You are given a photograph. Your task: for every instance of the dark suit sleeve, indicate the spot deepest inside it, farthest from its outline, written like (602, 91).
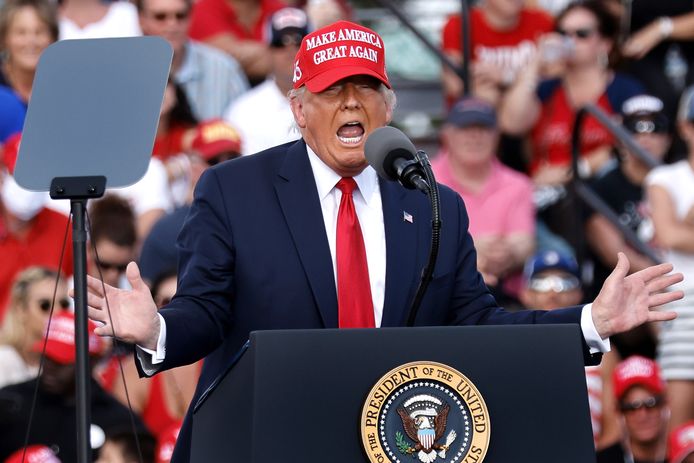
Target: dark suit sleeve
(473, 304)
(200, 315)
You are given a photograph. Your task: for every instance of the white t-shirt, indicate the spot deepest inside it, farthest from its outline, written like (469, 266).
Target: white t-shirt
(13, 369)
(678, 180)
(120, 21)
(263, 118)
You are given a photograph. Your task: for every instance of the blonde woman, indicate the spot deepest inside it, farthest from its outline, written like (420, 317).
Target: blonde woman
(25, 322)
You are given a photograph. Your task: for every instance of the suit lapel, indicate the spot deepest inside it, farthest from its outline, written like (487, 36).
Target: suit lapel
(298, 198)
(402, 238)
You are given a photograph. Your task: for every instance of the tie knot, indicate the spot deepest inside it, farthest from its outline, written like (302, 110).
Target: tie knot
(346, 185)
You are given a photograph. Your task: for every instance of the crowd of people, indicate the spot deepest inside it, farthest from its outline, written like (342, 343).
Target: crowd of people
(505, 148)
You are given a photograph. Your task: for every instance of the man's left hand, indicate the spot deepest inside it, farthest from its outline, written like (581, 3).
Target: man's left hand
(627, 301)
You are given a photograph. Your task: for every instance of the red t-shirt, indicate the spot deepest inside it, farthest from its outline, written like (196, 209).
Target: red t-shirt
(215, 17)
(509, 49)
(551, 135)
(42, 246)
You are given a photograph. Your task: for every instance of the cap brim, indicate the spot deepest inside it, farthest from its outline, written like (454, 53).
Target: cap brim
(683, 453)
(56, 353)
(320, 82)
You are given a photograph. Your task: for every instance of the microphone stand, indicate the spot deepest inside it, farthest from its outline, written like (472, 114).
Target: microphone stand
(433, 193)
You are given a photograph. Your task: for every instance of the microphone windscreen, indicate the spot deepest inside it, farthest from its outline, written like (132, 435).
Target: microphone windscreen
(383, 146)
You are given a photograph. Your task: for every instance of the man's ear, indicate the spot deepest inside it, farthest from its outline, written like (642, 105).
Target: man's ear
(298, 111)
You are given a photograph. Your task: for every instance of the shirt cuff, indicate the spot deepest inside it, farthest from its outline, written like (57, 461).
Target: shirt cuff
(590, 334)
(148, 358)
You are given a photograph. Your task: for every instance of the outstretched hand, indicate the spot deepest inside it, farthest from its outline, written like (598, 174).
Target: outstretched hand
(627, 301)
(133, 313)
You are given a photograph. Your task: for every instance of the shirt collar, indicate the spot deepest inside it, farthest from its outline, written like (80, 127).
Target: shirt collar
(326, 178)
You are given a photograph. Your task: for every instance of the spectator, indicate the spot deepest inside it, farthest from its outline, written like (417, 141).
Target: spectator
(53, 422)
(33, 454)
(162, 400)
(113, 235)
(237, 28)
(96, 19)
(13, 111)
(25, 322)
(587, 79)
(503, 38)
(30, 234)
(27, 27)
(504, 239)
(263, 115)
(551, 281)
(641, 405)
(210, 78)
(670, 192)
(621, 187)
(120, 447)
(681, 444)
(214, 142)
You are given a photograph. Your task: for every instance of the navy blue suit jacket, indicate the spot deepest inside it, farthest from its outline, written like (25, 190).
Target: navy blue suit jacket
(254, 256)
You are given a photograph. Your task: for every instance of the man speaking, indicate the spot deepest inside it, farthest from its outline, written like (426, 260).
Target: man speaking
(305, 235)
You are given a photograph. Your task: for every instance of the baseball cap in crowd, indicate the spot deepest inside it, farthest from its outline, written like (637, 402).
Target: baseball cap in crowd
(166, 441)
(287, 26)
(10, 149)
(34, 454)
(339, 50)
(681, 442)
(214, 138)
(686, 109)
(644, 114)
(550, 260)
(470, 111)
(637, 371)
(60, 346)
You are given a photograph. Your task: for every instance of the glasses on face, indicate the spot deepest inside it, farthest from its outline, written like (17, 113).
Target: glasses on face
(107, 266)
(161, 16)
(648, 404)
(45, 304)
(554, 283)
(581, 33)
(646, 126)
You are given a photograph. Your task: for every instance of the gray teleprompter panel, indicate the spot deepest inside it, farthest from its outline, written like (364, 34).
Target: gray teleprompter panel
(94, 110)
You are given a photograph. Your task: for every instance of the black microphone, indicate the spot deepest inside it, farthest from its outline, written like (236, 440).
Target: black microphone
(394, 157)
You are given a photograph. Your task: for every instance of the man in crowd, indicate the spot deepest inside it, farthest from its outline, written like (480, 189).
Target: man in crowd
(262, 114)
(641, 405)
(53, 422)
(275, 240)
(210, 78)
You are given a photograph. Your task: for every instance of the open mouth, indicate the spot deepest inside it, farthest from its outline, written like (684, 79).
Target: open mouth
(351, 133)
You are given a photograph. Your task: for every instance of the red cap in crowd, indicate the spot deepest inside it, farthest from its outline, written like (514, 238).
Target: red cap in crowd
(681, 442)
(637, 371)
(336, 51)
(34, 454)
(60, 346)
(166, 441)
(10, 150)
(215, 137)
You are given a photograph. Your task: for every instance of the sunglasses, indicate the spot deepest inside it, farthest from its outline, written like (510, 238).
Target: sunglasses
(553, 283)
(649, 404)
(582, 33)
(106, 266)
(646, 126)
(45, 304)
(161, 16)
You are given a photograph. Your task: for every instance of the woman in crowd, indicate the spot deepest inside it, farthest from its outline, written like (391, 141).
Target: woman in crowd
(27, 27)
(25, 322)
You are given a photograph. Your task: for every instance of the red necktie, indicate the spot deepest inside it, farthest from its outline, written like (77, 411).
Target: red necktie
(354, 303)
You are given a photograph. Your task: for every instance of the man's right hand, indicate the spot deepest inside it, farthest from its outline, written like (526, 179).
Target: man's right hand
(133, 313)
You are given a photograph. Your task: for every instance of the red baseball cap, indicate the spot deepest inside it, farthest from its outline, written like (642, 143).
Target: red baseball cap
(10, 149)
(60, 346)
(681, 442)
(166, 441)
(214, 137)
(637, 371)
(34, 454)
(336, 51)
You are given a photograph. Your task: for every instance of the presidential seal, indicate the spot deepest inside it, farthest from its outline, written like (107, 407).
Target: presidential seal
(427, 412)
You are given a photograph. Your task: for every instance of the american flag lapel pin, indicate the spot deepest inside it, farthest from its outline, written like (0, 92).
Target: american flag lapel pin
(407, 217)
